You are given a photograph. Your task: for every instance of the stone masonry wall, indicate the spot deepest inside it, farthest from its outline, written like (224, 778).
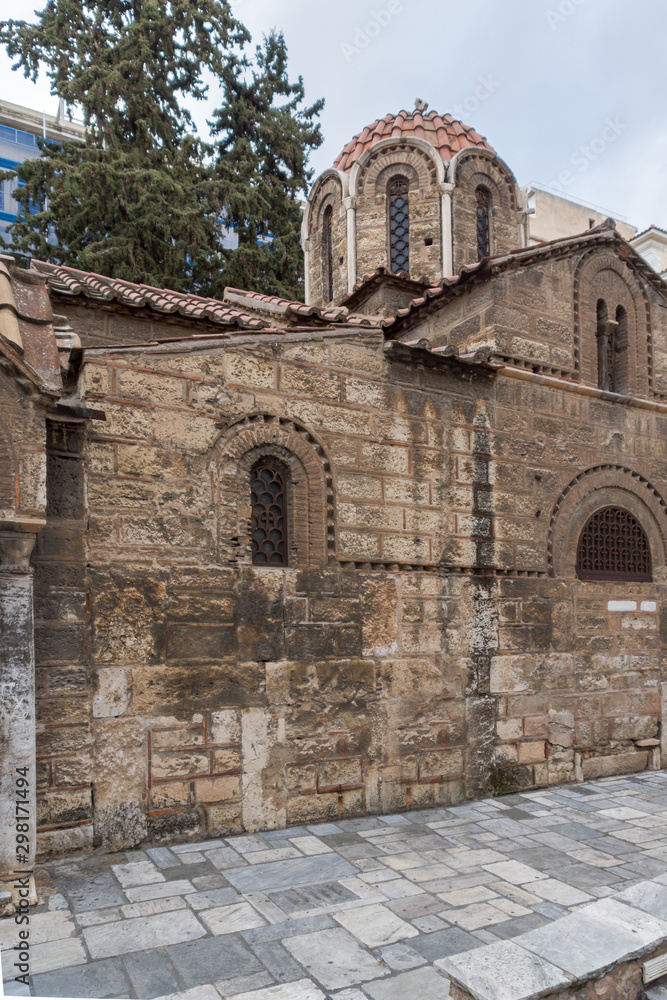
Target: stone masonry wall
(429, 640)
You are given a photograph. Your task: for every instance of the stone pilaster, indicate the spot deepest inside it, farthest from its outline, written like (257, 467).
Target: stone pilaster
(17, 713)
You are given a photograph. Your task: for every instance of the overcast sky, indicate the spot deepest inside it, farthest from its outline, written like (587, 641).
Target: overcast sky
(569, 92)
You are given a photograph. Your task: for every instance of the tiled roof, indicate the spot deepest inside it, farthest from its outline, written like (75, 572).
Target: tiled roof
(68, 281)
(238, 309)
(36, 356)
(443, 132)
(273, 304)
(490, 266)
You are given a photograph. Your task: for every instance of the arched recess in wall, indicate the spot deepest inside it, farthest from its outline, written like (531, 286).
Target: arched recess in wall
(602, 276)
(370, 180)
(323, 232)
(592, 491)
(469, 171)
(309, 489)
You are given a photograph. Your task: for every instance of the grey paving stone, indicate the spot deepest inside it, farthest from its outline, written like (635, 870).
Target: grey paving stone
(92, 892)
(648, 896)
(212, 897)
(278, 961)
(200, 845)
(520, 925)
(142, 933)
(226, 857)
(162, 857)
(242, 984)
(334, 958)
(97, 979)
(159, 890)
(278, 932)
(375, 925)
(213, 959)
(324, 829)
(294, 871)
(503, 971)
(400, 956)
(303, 989)
(14, 989)
(592, 939)
(426, 984)
(443, 943)
(292, 831)
(206, 882)
(150, 973)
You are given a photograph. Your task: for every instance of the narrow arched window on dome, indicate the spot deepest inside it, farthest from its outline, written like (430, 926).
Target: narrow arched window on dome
(398, 214)
(620, 350)
(268, 482)
(613, 546)
(327, 247)
(483, 198)
(605, 348)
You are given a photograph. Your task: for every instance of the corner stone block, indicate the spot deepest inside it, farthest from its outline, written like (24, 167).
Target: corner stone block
(338, 774)
(511, 674)
(113, 696)
(440, 764)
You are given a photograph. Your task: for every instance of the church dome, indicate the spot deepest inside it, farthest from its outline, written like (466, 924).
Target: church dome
(443, 132)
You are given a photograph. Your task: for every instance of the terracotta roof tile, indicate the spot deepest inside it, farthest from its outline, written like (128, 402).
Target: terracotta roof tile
(71, 282)
(442, 131)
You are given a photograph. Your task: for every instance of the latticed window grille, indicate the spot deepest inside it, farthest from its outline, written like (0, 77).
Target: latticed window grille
(269, 516)
(327, 242)
(483, 222)
(613, 546)
(399, 223)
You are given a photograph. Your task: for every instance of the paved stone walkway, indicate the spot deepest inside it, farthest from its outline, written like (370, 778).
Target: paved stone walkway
(349, 910)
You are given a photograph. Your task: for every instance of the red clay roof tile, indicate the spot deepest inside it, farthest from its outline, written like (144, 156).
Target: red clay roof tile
(442, 131)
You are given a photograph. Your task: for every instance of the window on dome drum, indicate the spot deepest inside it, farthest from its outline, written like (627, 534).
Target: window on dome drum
(620, 379)
(327, 242)
(398, 211)
(269, 514)
(605, 348)
(613, 546)
(483, 196)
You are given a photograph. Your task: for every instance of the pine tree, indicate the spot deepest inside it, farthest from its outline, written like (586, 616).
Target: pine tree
(136, 200)
(261, 171)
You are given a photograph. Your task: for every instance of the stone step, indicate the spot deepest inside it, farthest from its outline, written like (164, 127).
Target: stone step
(585, 945)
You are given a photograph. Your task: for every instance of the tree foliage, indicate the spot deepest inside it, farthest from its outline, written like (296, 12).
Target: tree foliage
(264, 134)
(143, 197)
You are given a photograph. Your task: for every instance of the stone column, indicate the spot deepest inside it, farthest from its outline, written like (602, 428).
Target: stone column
(17, 713)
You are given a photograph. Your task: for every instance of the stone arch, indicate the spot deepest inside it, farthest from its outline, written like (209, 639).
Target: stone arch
(592, 490)
(420, 164)
(470, 169)
(603, 275)
(328, 192)
(311, 532)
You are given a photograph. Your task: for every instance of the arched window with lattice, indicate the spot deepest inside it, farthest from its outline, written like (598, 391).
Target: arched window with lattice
(613, 546)
(483, 199)
(398, 214)
(269, 500)
(327, 254)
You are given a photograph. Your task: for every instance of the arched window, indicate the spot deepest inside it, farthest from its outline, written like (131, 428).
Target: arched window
(398, 213)
(268, 481)
(327, 247)
(620, 350)
(605, 348)
(613, 546)
(483, 196)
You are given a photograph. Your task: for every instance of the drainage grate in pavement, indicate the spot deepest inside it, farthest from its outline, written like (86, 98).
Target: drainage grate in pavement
(309, 897)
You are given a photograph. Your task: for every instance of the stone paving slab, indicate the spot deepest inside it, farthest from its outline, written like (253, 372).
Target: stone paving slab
(372, 907)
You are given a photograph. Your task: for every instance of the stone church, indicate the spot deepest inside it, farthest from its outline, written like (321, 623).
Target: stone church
(394, 547)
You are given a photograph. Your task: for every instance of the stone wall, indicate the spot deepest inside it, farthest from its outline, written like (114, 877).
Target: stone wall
(429, 639)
